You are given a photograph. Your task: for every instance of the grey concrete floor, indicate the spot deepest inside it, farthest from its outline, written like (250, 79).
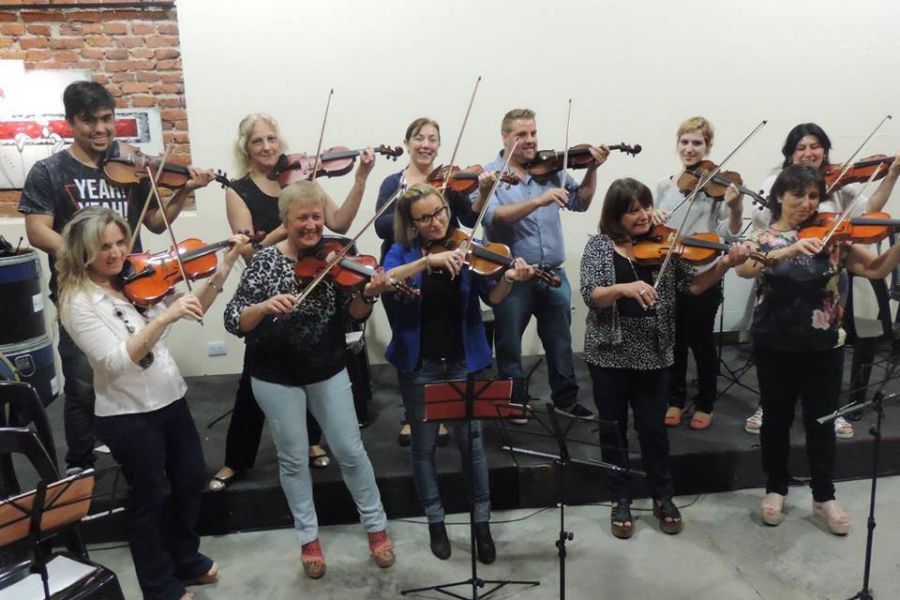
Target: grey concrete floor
(725, 552)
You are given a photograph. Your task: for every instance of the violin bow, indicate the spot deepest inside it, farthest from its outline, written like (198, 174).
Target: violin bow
(846, 212)
(459, 137)
(465, 245)
(565, 165)
(150, 193)
(701, 183)
(321, 135)
(848, 164)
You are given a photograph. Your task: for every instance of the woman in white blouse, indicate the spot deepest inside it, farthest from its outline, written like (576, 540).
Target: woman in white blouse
(141, 413)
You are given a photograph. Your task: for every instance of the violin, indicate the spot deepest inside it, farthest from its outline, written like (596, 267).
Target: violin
(488, 259)
(859, 172)
(696, 249)
(464, 181)
(870, 228)
(716, 186)
(334, 162)
(125, 164)
(547, 162)
(350, 273)
(148, 278)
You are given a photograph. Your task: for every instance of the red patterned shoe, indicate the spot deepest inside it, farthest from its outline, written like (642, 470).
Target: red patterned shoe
(312, 559)
(382, 548)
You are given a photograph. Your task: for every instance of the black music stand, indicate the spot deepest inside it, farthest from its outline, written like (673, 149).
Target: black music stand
(468, 400)
(46, 509)
(877, 403)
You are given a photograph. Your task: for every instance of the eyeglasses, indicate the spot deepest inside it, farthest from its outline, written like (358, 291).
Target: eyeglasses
(427, 219)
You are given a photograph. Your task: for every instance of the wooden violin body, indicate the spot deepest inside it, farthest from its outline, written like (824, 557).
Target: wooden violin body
(488, 259)
(696, 249)
(125, 164)
(464, 181)
(716, 186)
(148, 278)
(350, 273)
(859, 172)
(334, 162)
(548, 162)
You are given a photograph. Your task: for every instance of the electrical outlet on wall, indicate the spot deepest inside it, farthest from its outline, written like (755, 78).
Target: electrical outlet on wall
(216, 349)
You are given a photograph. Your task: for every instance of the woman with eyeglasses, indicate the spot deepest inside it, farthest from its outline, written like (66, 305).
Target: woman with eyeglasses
(141, 411)
(422, 141)
(439, 338)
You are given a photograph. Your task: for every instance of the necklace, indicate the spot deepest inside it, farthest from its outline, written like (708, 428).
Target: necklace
(148, 358)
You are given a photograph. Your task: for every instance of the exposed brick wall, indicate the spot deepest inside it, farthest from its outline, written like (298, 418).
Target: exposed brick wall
(134, 52)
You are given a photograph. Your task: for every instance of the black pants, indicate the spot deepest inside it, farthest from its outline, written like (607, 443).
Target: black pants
(814, 377)
(78, 410)
(150, 447)
(696, 319)
(645, 391)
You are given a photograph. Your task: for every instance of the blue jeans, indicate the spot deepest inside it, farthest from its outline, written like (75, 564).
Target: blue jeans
(331, 403)
(164, 544)
(424, 442)
(78, 409)
(552, 308)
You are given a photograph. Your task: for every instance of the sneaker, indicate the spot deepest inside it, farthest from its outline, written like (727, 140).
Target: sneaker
(754, 422)
(526, 400)
(575, 411)
(71, 471)
(843, 430)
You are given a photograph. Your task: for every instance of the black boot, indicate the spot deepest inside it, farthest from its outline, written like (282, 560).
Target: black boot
(440, 544)
(484, 543)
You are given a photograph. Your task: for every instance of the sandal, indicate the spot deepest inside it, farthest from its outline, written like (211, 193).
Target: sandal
(219, 482)
(773, 508)
(701, 420)
(621, 522)
(668, 515)
(673, 416)
(381, 548)
(312, 559)
(318, 458)
(833, 516)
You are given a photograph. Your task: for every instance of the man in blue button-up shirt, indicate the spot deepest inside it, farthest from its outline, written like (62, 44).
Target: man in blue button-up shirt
(526, 217)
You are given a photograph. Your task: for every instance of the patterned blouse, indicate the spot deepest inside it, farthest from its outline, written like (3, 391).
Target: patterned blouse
(305, 346)
(799, 301)
(640, 343)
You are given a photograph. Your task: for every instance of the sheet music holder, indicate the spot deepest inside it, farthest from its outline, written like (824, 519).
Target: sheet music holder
(465, 400)
(44, 510)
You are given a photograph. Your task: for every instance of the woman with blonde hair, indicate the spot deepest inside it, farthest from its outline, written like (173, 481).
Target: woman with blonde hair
(252, 205)
(297, 364)
(141, 411)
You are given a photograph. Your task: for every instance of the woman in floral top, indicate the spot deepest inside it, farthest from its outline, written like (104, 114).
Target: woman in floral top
(798, 338)
(628, 344)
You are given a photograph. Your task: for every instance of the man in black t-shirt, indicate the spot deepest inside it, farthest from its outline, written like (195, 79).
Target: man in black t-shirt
(55, 189)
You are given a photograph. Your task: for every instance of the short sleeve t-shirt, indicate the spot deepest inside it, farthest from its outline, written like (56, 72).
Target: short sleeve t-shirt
(60, 185)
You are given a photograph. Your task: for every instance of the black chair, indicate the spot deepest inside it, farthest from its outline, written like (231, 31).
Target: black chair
(20, 406)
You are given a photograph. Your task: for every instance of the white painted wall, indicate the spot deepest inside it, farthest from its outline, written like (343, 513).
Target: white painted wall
(634, 69)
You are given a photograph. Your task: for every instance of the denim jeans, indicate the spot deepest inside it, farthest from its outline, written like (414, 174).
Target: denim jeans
(424, 442)
(552, 308)
(164, 544)
(78, 409)
(331, 403)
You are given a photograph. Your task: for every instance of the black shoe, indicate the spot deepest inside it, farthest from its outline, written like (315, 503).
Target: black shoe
(575, 411)
(484, 543)
(440, 544)
(854, 416)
